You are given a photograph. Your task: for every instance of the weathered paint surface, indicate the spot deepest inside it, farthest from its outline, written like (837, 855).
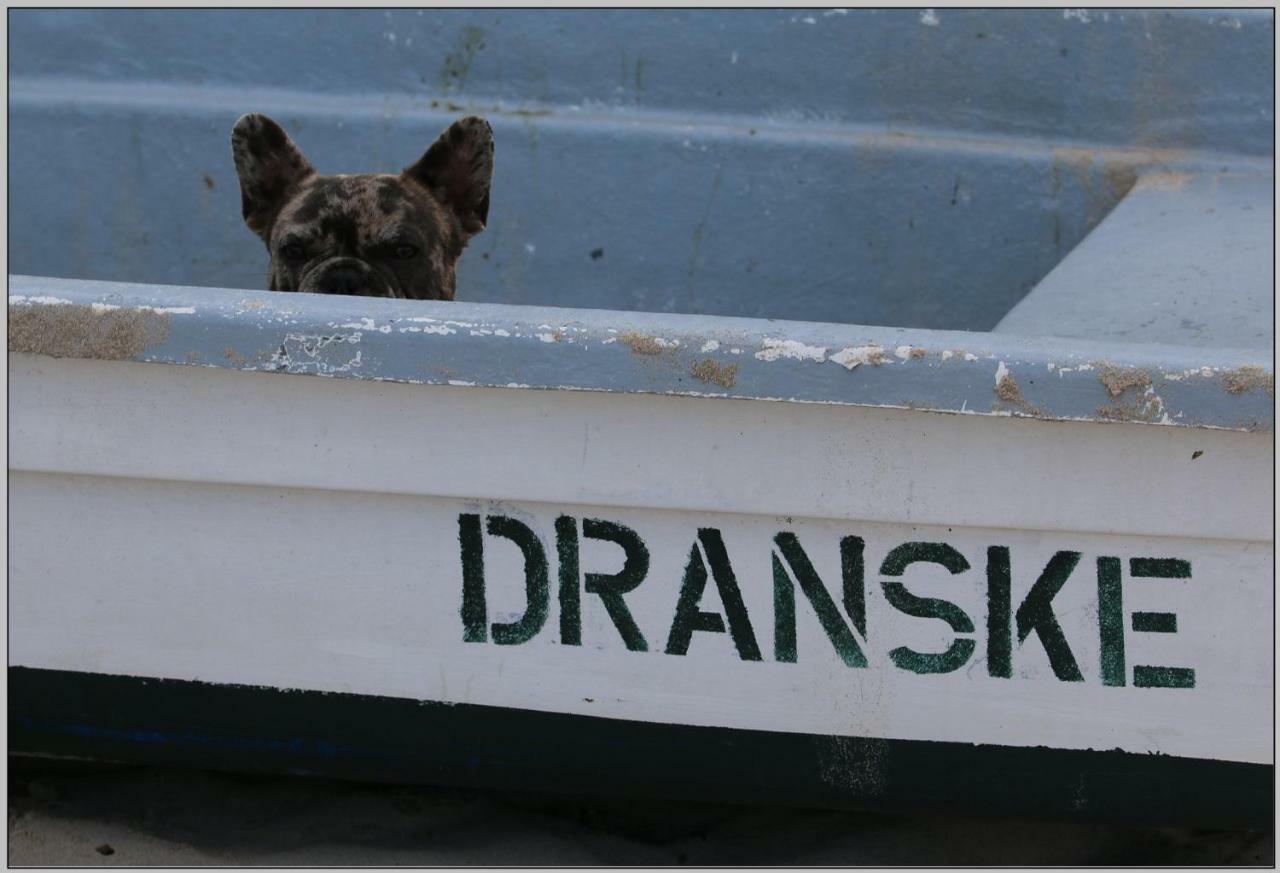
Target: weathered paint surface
(1185, 259)
(526, 347)
(1007, 637)
(766, 163)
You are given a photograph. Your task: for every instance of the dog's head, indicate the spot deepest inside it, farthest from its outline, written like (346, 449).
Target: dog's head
(380, 235)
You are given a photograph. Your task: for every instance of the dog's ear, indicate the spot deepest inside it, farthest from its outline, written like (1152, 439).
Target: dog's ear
(457, 170)
(269, 166)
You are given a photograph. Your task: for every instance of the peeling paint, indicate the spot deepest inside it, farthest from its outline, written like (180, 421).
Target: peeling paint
(778, 348)
(320, 355)
(854, 355)
(710, 346)
(366, 324)
(19, 300)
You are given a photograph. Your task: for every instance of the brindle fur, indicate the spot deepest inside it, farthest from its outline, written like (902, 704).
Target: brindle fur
(378, 235)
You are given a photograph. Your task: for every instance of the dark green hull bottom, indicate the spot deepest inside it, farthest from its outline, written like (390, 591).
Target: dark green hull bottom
(236, 727)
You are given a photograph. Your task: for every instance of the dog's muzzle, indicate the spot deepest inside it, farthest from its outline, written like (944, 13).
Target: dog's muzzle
(347, 276)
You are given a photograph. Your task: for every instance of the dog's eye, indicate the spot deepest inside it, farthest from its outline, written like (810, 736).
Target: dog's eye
(404, 252)
(293, 251)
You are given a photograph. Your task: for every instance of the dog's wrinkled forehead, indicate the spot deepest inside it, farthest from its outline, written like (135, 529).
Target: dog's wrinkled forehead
(359, 210)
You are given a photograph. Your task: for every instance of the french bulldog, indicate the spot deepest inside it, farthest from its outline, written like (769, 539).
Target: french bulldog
(377, 235)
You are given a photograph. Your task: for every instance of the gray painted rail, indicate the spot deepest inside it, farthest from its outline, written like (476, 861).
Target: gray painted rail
(472, 344)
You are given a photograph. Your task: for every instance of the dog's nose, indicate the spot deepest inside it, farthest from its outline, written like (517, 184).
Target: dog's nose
(345, 280)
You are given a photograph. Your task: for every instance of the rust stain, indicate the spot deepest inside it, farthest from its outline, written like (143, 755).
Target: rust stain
(1009, 392)
(708, 370)
(1119, 380)
(1165, 181)
(75, 330)
(917, 353)
(1249, 378)
(234, 357)
(641, 344)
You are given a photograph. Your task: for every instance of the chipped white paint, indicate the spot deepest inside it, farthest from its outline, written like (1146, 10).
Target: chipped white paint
(501, 332)
(903, 352)
(969, 357)
(854, 355)
(366, 324)
(1081, 15)
(779, 348)
(547, 337)
(1001, 372)
(710, 346)
(19, 300)
(929, 18)
(318, 355)
(947, 355)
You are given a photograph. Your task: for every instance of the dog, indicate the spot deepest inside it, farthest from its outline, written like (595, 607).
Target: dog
(377, 235)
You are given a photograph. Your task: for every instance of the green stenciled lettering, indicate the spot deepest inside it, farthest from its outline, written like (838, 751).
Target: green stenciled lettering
(846, 645)
(1164, 677)
(570, 599)
(897, 561)
(537, 588)
(473, 606)
(960, 650)
(1160, 568)
(1036, 614)
(1111, 621)
(1160, 622)
(853, 572)
(999, 613)
(1155, 622)
(610, 587)
(784, 615)
(689, 618)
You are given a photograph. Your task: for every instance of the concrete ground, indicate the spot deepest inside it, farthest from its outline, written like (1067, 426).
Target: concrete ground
(76, 814)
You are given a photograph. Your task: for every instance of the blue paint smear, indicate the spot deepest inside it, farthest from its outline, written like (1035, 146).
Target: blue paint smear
(301, 746)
